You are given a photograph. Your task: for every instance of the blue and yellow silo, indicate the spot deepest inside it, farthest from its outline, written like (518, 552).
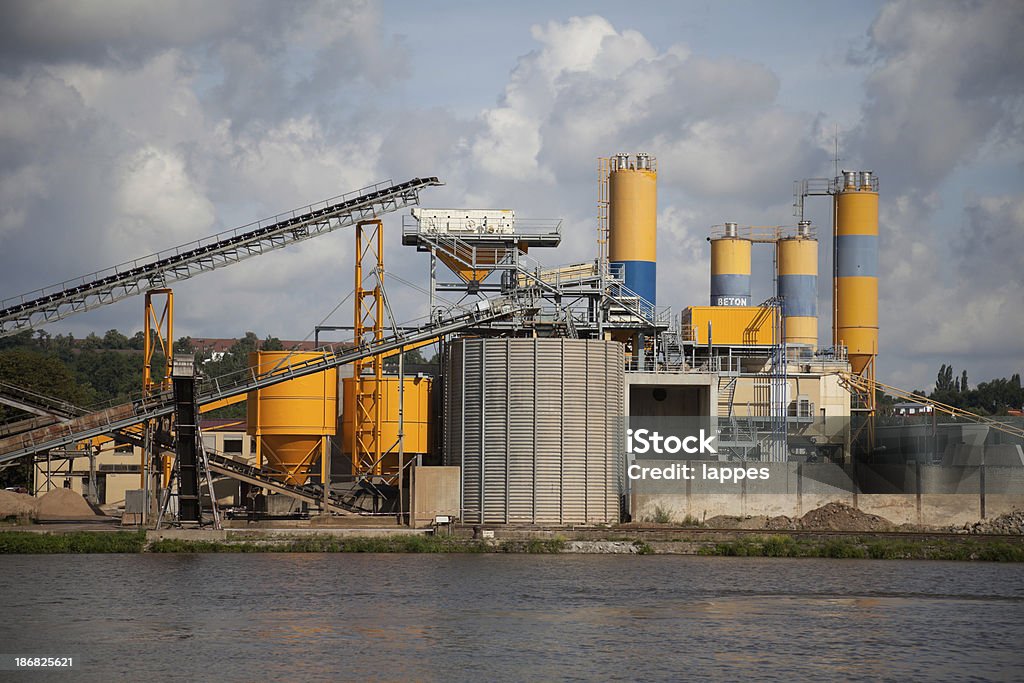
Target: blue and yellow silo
(797, 262)
(856, 267)
(633, 222)
(730, 269)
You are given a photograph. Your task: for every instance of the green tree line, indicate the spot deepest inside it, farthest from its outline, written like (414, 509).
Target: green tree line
(994, 397)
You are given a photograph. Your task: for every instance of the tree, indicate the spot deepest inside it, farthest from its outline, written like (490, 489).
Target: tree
(272, 344)
(944, 380)
(414, 362)
(963, 381)
(115, 340)
(138, 341)
(184, 345)
(44, 374)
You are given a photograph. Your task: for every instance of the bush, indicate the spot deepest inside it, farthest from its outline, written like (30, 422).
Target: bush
(661, 516)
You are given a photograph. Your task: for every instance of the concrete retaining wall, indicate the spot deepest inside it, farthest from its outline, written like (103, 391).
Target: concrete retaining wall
(903, 494)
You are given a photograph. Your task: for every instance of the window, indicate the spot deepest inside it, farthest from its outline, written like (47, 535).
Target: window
(233, 446)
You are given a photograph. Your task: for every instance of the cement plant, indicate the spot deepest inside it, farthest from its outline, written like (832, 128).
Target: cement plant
(542, 368)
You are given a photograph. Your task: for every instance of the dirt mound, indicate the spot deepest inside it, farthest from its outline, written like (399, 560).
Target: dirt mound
(17, 506)
(839, 517)
(63, 504)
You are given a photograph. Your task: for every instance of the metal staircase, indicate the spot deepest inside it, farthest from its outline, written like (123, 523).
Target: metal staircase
(726, 394)
(145, 408)
(128, 279)
(675, 360)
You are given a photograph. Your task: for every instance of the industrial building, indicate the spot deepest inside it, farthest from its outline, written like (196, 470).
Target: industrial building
(542, 370)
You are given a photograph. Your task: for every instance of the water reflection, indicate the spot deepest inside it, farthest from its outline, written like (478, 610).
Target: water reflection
(470, 617)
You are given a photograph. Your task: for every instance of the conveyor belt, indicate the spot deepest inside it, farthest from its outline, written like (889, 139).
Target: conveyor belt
(97, 289)
(126, 415)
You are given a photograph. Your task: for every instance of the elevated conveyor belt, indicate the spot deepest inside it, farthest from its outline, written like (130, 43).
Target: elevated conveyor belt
(210, 390)
(36, 403)
(180, 263)
(862, 384)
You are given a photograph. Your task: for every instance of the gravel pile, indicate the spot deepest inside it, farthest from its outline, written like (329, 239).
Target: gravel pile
(1010, 523)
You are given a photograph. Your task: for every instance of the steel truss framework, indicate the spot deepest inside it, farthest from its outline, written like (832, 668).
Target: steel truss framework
(97, 289)
(217, 389)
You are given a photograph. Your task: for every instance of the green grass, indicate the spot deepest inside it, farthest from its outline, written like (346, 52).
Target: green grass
(779, 545)
(28, 543)
(410, 543)
(868, 548)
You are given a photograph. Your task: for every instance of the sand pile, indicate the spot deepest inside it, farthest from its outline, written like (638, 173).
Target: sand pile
(63, 504)
(839, 517)
(17, 506)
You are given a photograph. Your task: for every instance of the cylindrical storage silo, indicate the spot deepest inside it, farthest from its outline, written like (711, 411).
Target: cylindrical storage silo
(292, 420)
(633, 223)
(730, 269)
(534, 425)
(415, 417)
(856, 267)
(797, 261)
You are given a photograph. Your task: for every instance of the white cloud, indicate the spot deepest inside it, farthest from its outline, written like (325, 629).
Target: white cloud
(158, 202)
(948, 78)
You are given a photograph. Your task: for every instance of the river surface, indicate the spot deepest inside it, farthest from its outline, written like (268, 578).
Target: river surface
(511, 617)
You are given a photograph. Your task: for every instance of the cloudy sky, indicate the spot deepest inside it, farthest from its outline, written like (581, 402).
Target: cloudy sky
(127, 127)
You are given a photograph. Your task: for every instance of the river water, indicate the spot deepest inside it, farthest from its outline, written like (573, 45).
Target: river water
(512, 617)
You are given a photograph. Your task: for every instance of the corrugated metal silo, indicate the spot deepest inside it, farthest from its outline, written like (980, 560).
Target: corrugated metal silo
(535, 426)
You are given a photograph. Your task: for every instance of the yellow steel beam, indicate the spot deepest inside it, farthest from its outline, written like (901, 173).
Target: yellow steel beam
(866, 385)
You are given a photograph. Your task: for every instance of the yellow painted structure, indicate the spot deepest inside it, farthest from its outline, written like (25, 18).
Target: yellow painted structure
(730, 271)
(633, 215)
(797, 263)
(633, 222)
(292, 420)
(730, 256)
(730, 325)
(415, 417)
(461, 258)
(856, 283)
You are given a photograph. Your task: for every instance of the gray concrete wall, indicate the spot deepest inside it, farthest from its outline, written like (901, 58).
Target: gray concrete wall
(905, 494)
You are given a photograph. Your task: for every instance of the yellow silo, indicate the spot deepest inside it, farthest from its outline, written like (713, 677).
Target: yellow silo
(856, 267)
(292, 420)
(633, 222)
(797, 261)
(730, 269)
(415, 418)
